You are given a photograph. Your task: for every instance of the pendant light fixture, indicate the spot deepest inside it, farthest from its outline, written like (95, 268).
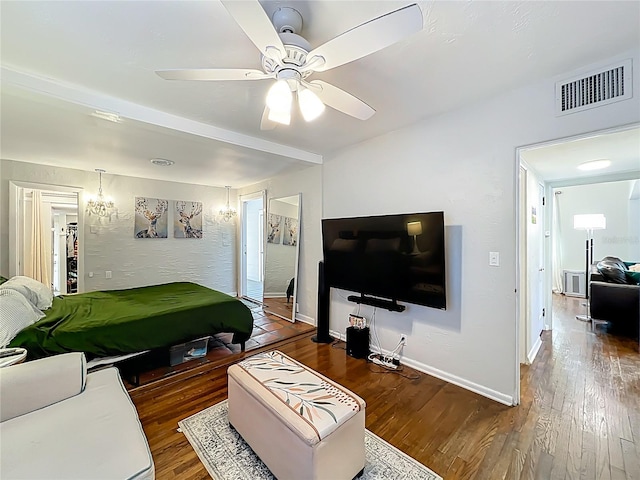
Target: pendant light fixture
(100, 206)
(227, 213)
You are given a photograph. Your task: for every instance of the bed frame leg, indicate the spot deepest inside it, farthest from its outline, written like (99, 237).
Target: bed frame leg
(242, 346)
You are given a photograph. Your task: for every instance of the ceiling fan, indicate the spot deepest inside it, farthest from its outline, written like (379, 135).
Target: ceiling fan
(290, 60)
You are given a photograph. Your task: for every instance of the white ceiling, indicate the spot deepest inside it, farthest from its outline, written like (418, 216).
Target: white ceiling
(103, 55)
(559, 161)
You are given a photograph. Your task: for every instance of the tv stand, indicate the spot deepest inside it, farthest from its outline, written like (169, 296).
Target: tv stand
(390, 305)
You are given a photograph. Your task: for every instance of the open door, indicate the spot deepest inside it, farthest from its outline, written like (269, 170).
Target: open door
(44, 228)
(252, 247)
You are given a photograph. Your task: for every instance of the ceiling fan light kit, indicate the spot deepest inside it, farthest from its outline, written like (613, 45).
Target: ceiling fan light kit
(289, 59)
(311, 106)
(279, 96)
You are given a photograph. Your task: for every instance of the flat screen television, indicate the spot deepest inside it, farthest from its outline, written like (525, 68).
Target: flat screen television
(397, 257)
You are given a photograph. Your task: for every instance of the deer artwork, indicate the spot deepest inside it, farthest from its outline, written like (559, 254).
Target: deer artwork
(185, 218)
(142, 208)
(274, 229)
(291, 230)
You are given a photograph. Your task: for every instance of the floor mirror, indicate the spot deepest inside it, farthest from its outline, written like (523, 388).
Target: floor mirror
(281, 256)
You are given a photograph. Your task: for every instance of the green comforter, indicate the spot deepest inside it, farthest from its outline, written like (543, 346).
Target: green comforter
(115, 322)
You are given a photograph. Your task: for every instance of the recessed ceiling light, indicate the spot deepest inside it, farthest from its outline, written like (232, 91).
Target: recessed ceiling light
(162, 162)
(594, 165)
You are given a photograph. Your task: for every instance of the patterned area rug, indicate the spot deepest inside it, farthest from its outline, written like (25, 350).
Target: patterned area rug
(227, 457)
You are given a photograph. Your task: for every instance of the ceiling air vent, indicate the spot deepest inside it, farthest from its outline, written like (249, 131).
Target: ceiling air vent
(594, 89)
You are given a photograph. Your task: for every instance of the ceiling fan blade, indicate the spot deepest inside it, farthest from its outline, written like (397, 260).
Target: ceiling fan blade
(368, 38)
(255, 22)
(341, 100)
(265, 123)
(212, 74)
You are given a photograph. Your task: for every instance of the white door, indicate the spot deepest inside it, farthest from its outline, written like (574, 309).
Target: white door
(534, 220)
(524, 287)
(252, 247)
(540, 323)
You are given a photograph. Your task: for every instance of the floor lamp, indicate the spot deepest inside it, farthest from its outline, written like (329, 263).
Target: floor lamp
(589, 223)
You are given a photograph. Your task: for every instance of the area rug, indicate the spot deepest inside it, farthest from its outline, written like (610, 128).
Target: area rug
(226, 456)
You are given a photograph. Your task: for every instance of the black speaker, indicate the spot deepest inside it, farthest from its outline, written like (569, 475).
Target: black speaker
(358, 342)
(322, 335)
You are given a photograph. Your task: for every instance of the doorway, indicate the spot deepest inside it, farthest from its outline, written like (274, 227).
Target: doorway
(252, 247)
(549, 249)
(44, 224)
(65, 242)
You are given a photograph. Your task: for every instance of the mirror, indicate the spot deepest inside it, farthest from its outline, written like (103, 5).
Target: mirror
(281, 256)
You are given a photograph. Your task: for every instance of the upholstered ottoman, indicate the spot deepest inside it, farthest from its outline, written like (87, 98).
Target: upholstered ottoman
(301, 424)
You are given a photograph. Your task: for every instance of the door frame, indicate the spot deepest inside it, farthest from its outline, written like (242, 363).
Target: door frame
(549, 186)
(244, 199)
(16, 228)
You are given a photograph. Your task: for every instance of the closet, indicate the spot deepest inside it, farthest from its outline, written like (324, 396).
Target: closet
(72, 257)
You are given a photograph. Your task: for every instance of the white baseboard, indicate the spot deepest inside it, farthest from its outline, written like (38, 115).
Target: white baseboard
(531, 356)
(461, 382)
(338, 335)
(447, 377)
(305, 319)
(275, 295)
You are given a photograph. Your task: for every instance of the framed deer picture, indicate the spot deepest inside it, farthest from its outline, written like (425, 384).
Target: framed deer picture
(290, 231)
(187, 220)
(151, 218)
(274, 230)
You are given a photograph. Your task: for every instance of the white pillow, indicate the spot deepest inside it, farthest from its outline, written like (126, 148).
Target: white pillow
(37, 293)
(16, 313)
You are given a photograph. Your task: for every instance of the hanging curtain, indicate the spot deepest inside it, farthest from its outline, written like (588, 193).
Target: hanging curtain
(38, 265)
(556, 248)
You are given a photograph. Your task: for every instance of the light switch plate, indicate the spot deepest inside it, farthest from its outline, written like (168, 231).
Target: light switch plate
(494, 259)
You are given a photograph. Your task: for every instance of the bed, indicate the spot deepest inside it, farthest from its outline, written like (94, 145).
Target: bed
(118, 322)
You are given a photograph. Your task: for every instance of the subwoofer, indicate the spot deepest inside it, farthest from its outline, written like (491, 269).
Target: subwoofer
(322, 333)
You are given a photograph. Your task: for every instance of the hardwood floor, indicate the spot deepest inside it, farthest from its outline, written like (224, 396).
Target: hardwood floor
(579, 416)
(267, 329)
(279, 306)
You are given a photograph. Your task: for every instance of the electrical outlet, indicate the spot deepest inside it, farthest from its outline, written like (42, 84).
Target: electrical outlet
(403, 340)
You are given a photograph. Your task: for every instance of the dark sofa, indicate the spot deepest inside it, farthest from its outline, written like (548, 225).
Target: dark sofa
(615, 296)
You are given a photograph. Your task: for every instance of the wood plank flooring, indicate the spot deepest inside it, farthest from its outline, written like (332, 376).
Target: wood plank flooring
(579, 416)
(267, 329)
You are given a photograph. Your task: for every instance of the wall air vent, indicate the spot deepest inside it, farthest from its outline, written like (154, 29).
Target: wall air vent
(594, 89)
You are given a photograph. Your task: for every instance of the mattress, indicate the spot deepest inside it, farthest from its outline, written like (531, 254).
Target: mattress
(117, 322)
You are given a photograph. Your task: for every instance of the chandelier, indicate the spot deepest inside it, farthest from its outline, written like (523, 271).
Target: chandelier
(100, 206)
(227, 213)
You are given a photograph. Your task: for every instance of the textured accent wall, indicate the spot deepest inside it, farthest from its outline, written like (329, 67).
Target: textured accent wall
(109, 245)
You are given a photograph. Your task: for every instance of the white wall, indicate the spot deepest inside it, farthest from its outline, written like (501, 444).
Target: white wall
(209, 261)
(634, 223)
(463, 163)
(309, 183)
(617, 240)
